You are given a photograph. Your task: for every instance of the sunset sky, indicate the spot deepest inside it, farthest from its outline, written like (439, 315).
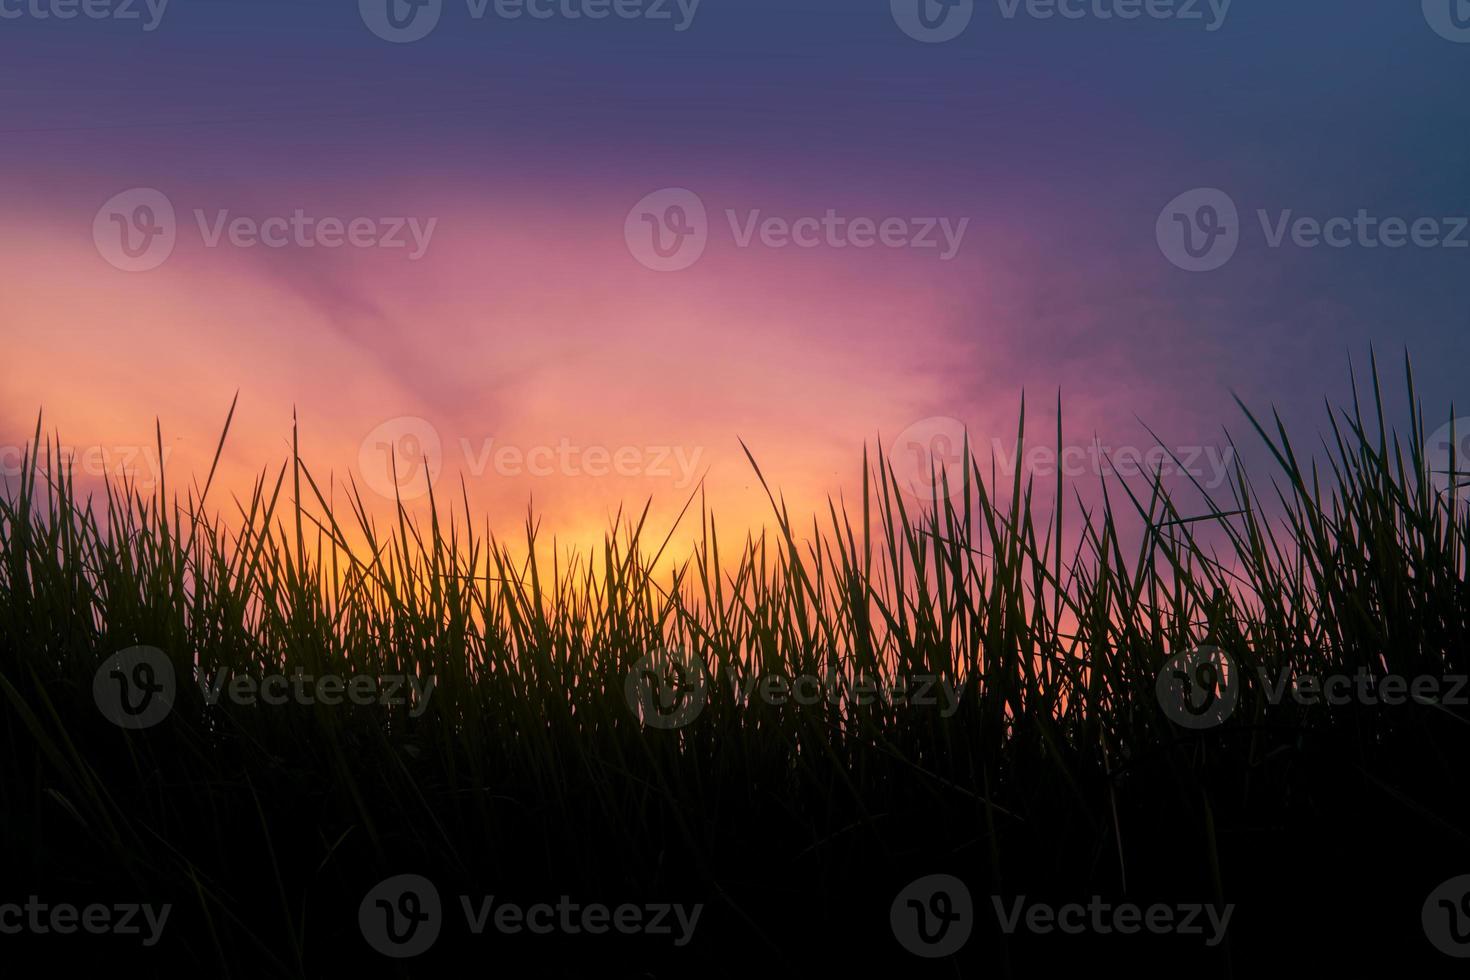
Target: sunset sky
(522, 317)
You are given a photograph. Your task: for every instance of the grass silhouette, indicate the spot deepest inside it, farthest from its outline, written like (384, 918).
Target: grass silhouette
(529, 774)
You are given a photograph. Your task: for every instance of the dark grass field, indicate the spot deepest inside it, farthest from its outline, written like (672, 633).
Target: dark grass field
(584, 736)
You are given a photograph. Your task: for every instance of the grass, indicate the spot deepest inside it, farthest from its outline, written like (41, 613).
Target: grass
(529, 776)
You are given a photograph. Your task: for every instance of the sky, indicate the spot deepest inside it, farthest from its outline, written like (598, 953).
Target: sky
(576, 252)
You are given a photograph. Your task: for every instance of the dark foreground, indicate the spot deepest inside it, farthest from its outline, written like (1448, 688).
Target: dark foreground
(586, 784)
